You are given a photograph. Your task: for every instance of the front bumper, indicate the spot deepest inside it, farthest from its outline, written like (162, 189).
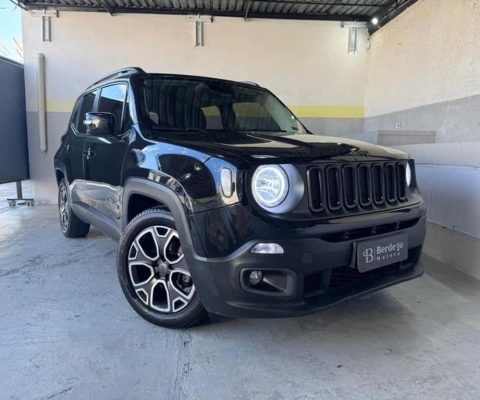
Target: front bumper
(321, 269)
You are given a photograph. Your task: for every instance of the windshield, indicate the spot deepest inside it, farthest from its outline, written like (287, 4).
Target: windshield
(189, 103)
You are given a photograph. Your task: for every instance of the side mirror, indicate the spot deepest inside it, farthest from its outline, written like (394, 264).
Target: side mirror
(100, 123)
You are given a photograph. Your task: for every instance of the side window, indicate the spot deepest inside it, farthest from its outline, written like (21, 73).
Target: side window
(213, 118)
(112, 99)
(86, 106)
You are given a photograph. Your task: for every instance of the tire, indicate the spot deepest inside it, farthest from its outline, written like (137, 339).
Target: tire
(153, 272)
(70, 224)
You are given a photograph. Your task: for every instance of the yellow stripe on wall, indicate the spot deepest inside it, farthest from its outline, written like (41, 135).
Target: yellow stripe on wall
(299, 111)
(60, 105)
(328, 111)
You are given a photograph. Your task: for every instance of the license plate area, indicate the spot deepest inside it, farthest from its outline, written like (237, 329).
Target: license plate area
(377, 253)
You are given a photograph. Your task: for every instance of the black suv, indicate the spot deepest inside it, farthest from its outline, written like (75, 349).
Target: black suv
(223, 202)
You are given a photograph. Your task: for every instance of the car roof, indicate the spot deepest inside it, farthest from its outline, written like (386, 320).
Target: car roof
(129, 72)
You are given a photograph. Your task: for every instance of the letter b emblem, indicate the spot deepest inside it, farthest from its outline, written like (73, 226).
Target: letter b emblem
(368, 254)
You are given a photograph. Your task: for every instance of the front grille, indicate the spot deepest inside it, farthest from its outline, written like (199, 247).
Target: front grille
(349, 185)
(364, 185)
(340, 278)
(345, 276)
(334, 188)
(378, 184)
(363, 233)
(356, 186)
(401, 182)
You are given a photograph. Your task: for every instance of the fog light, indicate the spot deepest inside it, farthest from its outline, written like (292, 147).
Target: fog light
(255, 277)
(267, 248)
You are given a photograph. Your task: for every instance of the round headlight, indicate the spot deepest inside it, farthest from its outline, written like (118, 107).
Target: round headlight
(408, 174)
(270, 185)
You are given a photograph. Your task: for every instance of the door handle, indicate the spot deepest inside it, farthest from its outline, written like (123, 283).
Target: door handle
(88, 153)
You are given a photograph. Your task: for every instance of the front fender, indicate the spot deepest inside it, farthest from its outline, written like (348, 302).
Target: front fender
(163, 195)
(169, 198)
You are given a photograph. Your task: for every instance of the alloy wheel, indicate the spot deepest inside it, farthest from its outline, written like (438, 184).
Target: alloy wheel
(157, 270)
(63, 208)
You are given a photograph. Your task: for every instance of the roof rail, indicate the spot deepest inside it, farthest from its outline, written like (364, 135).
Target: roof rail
(123, 71)
(250, 83)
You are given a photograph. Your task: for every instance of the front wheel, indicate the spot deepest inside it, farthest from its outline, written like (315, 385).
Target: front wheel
(153, 272)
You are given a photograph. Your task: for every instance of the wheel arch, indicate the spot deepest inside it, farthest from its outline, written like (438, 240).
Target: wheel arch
(139, 202)
(60, 172)
(59, 175)
(164, 197)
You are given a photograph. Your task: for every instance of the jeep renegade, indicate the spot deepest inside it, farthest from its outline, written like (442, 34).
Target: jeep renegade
(223, 202)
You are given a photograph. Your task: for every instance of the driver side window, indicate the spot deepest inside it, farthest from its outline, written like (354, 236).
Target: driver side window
(86, 106)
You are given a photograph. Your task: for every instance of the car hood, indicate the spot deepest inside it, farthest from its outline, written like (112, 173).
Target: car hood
(292, 148)
(261, 148)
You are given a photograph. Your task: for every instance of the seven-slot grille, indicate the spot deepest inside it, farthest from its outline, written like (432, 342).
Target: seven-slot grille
(356, 186)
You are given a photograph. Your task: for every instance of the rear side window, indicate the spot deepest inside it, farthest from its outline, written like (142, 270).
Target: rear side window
(86, 106)
(112, 100)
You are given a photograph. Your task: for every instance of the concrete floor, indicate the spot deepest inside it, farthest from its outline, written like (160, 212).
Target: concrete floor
(67, 332)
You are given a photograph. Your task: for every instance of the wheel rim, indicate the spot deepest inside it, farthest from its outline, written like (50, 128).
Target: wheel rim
(158, 272)
(62, 205)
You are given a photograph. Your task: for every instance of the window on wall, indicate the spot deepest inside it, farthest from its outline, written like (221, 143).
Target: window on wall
(86, 106)
(112, 99)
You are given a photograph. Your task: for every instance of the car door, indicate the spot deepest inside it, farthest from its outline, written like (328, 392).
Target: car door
(104, 155)
(74, 159)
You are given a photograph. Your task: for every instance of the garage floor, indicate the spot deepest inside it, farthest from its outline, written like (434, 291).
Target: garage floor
(66, 332)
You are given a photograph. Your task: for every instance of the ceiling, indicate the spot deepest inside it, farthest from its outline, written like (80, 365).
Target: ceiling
(336, 10)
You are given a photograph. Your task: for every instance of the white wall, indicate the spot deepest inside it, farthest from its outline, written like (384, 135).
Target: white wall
(303, 62)
(424, 74)
(428, 54)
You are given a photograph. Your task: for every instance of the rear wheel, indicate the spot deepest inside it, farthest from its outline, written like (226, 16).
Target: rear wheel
(71, 225)
(154, 274)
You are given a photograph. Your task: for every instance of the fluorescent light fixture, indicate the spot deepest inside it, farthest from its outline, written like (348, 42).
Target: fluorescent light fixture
(352, 40)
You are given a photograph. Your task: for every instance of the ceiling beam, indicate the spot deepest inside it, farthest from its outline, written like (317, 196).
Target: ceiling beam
(321, 3)
(105, 5)
(215, 13)
(330, 3)
(18, 4)
(247, 9)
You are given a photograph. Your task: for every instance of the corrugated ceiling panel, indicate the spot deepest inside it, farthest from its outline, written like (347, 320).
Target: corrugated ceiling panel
(360, 10)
